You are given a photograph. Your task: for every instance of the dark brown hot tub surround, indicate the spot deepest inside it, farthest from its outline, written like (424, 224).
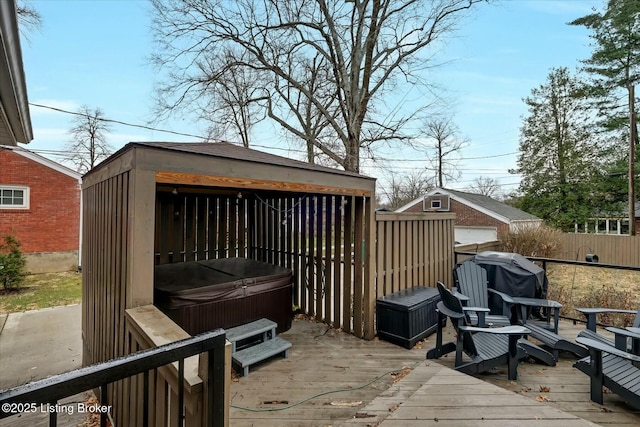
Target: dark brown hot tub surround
(223, 293)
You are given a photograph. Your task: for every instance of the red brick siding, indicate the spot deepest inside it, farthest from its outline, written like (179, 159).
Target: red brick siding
(52, 222)
(469, 217)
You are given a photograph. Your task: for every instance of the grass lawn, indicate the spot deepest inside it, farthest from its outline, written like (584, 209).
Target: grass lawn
(41, 291)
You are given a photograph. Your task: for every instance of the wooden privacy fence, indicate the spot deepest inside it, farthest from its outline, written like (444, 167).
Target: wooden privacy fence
(611, 249)
(413, 250)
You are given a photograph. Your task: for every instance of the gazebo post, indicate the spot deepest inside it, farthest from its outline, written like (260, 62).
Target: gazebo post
(370, 268)
(140, 240)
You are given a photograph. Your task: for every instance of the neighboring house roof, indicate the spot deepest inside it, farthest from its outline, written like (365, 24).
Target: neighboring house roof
(484, 204)
(15, 121)
(232, 151)
(43, 161)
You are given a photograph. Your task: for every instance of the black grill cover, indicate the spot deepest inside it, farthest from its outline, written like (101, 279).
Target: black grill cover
(512, 274)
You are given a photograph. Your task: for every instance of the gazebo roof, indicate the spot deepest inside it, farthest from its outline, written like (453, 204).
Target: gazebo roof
(237, 152)
(222, 164)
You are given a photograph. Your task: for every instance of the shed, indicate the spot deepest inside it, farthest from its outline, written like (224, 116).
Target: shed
(156, 203)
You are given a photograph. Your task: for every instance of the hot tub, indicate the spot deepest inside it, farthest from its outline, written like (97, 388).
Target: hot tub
(223, 293)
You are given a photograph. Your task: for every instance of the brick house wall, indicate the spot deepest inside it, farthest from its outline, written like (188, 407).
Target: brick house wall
(468, 217)
(52, 221)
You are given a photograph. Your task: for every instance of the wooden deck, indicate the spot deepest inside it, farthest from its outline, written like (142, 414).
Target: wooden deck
(332, 379)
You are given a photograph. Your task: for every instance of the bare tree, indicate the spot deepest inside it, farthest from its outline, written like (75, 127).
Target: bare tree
(231, 105)
(368, 45)
(89, 143)
(444, 141)
(486, 186)
(29, 18)
(403, 188)
(309, 123)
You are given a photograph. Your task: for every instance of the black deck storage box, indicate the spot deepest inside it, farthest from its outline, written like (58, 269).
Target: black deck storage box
(407, 316)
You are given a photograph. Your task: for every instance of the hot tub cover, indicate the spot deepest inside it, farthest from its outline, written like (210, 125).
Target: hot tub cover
(190, 283)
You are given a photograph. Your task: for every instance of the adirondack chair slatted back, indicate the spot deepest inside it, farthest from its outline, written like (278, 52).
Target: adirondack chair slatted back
(452, 303)
(472, 281)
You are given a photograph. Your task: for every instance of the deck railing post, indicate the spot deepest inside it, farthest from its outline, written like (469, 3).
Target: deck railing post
(104, 401)
(215, 387)
(53, 415)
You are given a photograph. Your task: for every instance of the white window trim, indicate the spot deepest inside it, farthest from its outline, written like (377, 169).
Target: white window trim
(436, 204)
(27, 197)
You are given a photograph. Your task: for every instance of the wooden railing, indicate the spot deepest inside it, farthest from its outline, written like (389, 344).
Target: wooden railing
(142, 369)
(147, 327)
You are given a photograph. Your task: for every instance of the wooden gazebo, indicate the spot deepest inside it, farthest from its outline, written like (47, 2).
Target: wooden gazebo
(158, 203)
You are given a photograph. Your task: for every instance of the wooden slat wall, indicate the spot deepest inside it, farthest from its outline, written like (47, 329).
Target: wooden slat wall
(413, 250)
(200, 226)
(310, 234)
(611, 249)
(104, 261)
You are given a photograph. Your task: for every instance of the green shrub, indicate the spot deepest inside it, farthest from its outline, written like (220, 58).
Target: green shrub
(534, 241)
(12, 263)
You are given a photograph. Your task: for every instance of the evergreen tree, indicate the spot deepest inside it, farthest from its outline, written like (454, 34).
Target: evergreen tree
(557, 154)
(615, 66)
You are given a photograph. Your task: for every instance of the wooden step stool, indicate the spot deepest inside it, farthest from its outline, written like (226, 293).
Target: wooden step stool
(269, 346)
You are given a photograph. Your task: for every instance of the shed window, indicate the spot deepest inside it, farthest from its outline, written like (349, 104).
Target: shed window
(14, 197)
(435, 204)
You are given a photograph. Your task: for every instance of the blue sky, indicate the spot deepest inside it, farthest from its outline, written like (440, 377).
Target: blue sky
(95, 52)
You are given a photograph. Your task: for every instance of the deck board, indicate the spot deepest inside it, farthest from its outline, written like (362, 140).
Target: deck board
(322, 360)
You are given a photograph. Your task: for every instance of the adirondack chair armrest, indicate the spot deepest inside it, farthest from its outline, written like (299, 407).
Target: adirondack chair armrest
(506, 298)
(462, 297)
(447, 312)
(591, 313)
(481, 312)
(476, 309)
(602, 347)
(524, 303)
(536, 302)
(622, 337)
(508, 330)
(625, 332)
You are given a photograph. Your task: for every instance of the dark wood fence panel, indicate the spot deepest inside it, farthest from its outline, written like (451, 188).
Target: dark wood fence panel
(104, 294)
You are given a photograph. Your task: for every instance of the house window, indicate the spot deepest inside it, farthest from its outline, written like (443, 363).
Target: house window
(12, 197)
(435, 204)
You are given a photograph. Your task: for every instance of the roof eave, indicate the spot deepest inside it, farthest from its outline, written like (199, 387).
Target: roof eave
(14, 102)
